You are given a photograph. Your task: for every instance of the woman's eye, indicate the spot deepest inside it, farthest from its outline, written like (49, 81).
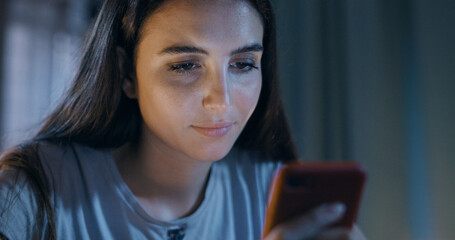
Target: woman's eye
(244, 66)
(184, 67)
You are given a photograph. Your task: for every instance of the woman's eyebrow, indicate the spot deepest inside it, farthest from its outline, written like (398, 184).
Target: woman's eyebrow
(182, 49)
(255, 47)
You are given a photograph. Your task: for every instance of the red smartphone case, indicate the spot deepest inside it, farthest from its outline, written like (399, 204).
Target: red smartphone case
(299, 187)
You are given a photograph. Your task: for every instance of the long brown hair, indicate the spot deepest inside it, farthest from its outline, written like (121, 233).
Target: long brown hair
(95, 111)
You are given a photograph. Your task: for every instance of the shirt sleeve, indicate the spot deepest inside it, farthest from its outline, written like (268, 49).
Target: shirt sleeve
(17, 205)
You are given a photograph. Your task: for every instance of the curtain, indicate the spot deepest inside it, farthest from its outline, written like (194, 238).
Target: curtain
(372, 81)
(40, 40)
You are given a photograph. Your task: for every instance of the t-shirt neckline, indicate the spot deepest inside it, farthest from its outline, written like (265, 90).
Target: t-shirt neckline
(131, 200)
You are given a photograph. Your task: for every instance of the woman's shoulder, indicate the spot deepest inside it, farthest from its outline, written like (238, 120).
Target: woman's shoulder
(72, 164)
(18, 206)
(18, 192)
(58, 156)
(59, 163)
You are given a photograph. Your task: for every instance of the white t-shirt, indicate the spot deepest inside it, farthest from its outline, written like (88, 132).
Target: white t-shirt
(92, 201)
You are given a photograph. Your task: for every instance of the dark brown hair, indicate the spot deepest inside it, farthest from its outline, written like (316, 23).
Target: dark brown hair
(95, 111)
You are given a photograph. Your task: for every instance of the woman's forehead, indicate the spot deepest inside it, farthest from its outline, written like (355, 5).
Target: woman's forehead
(203, 5)
(186, 12)
(203, 22)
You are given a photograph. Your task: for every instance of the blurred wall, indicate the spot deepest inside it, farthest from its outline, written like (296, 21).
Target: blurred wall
(40, 45)
(3, 19)
(372, 81)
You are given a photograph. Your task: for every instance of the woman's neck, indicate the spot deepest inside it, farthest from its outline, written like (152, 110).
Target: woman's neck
(168, 184)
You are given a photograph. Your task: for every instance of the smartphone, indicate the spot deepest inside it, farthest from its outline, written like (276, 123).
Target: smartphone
(300, 187)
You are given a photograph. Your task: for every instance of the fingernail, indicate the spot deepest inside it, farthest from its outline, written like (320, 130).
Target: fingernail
(332, 212)
(338, 208)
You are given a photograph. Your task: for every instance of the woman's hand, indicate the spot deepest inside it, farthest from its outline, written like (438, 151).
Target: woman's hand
(314, 226)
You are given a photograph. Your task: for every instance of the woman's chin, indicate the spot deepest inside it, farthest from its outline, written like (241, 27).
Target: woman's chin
(211, 154)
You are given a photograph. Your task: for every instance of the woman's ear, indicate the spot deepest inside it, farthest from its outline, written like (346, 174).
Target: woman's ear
(129, 82)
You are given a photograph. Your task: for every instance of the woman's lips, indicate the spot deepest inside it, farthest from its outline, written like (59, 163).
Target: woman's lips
(213, 129)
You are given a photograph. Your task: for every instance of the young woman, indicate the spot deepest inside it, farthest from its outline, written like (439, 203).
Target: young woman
(172, 129)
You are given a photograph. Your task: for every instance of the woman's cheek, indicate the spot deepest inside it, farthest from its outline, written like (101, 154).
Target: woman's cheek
(247, 95)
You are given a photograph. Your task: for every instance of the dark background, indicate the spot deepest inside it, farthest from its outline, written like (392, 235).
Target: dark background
(367, 80)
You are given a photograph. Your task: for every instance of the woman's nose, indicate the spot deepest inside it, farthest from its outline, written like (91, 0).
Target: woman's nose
(218, 94)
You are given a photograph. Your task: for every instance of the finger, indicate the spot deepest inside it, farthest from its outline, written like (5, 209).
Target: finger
(311, 223)
(341, 234)
(358, 234)
(317, 219)
(335, 234)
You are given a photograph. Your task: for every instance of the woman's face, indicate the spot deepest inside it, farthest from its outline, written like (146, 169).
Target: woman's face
(198, 75)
